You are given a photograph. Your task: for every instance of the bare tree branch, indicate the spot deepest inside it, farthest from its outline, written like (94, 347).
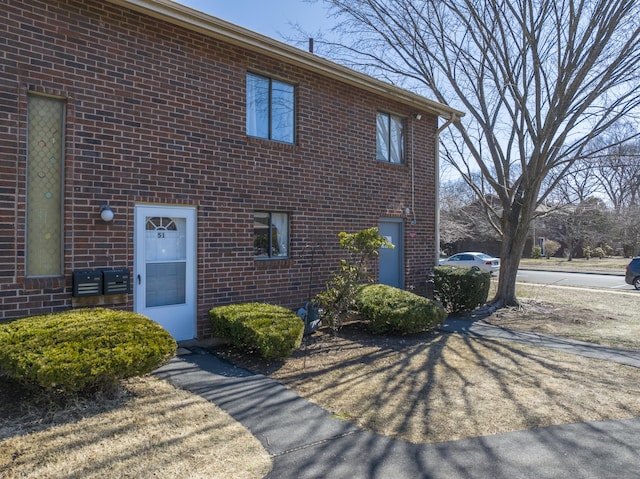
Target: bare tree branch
(539, 81)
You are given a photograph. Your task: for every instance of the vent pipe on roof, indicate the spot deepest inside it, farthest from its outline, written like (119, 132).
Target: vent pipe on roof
(310, 45)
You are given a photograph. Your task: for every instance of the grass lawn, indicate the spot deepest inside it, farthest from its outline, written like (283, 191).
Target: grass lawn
(150, 429)
(441, 387)
(613, 265)
(609, 318)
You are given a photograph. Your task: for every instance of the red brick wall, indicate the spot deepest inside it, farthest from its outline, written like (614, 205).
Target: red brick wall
(155, 114)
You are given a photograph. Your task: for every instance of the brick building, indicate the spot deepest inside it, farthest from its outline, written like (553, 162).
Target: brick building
(161, 160)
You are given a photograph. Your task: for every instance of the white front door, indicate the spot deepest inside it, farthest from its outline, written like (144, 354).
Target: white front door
(165, 267)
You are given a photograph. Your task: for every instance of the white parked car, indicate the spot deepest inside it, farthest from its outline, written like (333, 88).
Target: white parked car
(480, 261)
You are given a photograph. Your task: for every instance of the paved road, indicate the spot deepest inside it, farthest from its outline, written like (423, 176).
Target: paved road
(600, 281)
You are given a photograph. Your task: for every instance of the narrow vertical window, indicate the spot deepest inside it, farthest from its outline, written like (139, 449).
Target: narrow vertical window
(271, 235)
(389, 138)
(45, 154)
(270, 109)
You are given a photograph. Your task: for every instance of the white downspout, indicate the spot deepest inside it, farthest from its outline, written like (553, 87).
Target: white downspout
(437, 186)
(416, 117)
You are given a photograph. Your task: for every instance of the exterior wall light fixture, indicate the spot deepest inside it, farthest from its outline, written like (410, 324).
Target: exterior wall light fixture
(106, 213)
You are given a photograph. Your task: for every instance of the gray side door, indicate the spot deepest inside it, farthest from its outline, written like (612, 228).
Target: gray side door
(392, 259)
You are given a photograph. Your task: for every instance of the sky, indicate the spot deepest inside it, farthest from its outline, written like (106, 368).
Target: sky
(272, 18)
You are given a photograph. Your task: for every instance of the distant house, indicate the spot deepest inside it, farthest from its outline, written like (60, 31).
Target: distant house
(468, 228)
(157, 159)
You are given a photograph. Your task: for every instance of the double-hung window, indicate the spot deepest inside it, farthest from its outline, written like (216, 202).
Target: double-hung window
(389, 138)
(270, 234)
(270, 109)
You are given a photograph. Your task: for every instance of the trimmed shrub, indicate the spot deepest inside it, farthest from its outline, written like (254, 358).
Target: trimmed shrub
(587, 252)
(272, 331)
(461, 289)
(83, 350)
(390, 310)
(536, 252)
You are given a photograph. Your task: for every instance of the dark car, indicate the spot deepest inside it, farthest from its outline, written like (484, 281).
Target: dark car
(633, 273)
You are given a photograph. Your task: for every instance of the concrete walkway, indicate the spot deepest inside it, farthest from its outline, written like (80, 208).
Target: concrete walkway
(305, 441)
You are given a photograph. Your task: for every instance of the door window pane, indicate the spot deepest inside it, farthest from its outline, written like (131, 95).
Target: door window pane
(165, 254)
(165, 239)
(165, 283)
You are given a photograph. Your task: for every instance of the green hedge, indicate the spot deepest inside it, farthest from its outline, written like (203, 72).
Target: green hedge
(461, 289)
(389, 310)
(272, 331)
(82, 350)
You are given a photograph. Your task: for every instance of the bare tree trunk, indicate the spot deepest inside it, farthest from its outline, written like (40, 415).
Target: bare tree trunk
(506, 293)
(515, 233)
(571, 248)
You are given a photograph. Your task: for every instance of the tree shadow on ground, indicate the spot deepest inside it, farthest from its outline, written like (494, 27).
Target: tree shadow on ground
(30, 409)
(435, 387)
(148, 429)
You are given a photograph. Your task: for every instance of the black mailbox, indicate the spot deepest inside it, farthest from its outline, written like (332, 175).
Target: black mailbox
(116, 281)
(87, 283)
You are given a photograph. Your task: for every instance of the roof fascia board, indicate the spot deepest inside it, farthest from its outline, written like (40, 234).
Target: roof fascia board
(208, 25)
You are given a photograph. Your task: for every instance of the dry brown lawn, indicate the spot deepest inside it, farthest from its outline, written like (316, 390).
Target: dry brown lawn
(149, 430)
(606, 318)
(441, 387)
(612, 265)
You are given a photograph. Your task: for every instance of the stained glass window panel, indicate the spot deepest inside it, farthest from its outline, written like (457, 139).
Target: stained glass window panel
(45, 154)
